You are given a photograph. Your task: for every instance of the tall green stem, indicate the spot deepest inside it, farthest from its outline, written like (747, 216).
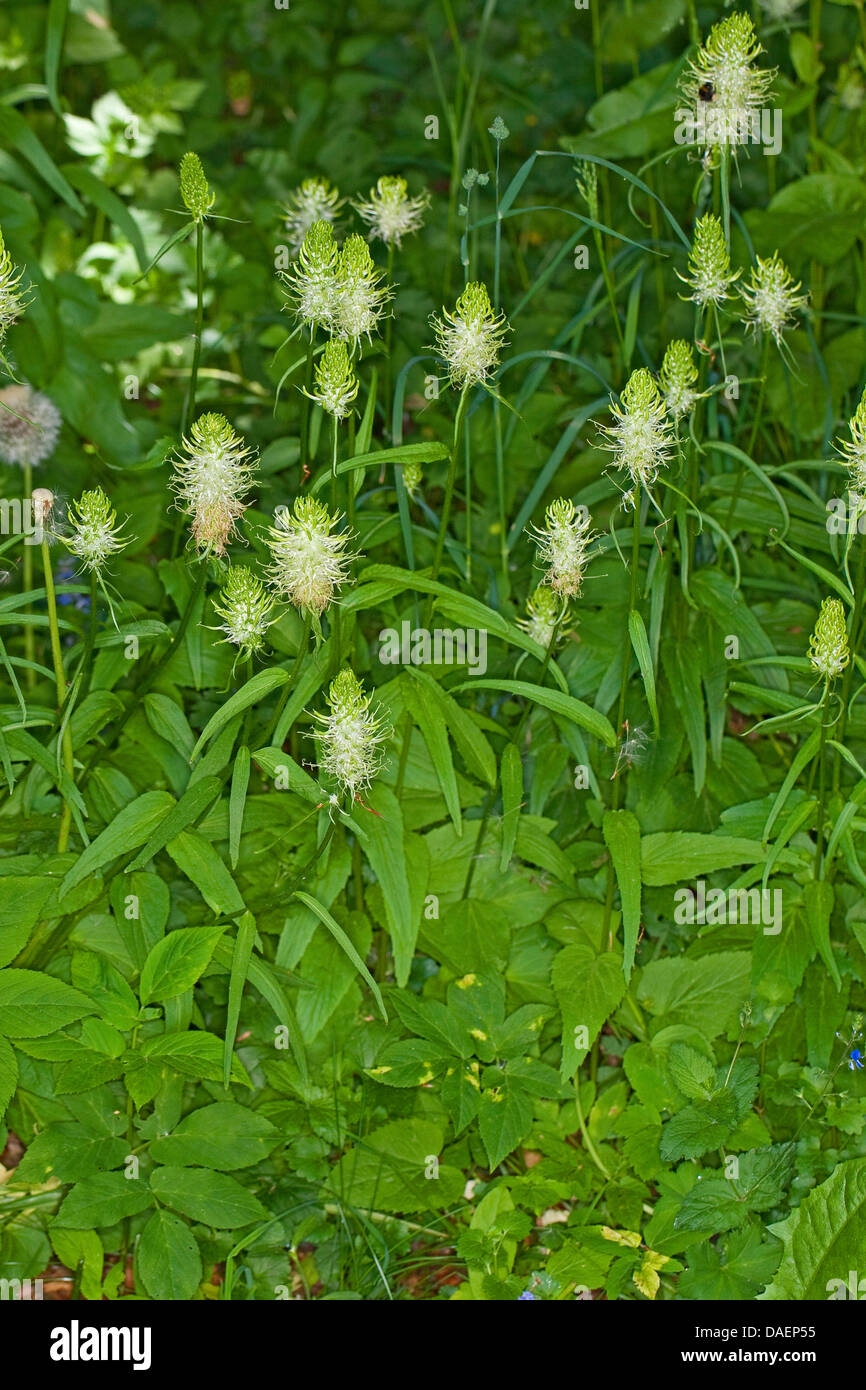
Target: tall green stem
(449, 493)
(27, 578)
(60, 682)
(189, 410)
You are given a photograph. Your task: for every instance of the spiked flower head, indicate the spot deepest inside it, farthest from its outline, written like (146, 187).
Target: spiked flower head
(563, 542)
(771, 298)
(725, 66)
(336, 383)
(360, 295)
(544, 613)
(710, 275)
(853, 453)
(29, 425)
(311, 283)
(587, 186)
(828, 645)
(469, 340)
(390, 213)
(310, 559)
(11, 297)
(315, 201)
(677, 378)
(210, 479)
(95, 534)
(351, 735)
(244, 606)
(413, 477)
(640, 437)
(197, 197)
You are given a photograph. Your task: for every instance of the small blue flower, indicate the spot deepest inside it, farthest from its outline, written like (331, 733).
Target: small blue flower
(527, 1295)
(65, 574)
(856, 1062)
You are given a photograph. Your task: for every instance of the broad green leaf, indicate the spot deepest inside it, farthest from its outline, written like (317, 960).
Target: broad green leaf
(199, 1055)
(8, 1075)
(261, 684)
(588, 988)
(511, 776)
(343, 941)
(385, 851)
(219, 1201)
(504, 1118)
(33, 1005)
(103, 1200)
(564, 705)
(198, 859)
(388, 1170)
(678, 856)
(621, 832)
(70, 1152)
(641, 649)
(707, 993)
(223, 1136)
(129, 829)
(818, 901)
(186, 812)
(823, 1238)
(176, 962)
(168, 1258)
(243, 950)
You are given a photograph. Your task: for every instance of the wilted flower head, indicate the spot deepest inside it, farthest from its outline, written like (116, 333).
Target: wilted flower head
(640, 437)
(310, 559)
(360, 295)
(244, 605)
(311, 283)
(828, 645)
(710, 275)
(315, 201)
(469, 340)
(678, 376)
(854, 452)
(544, 614)
(725, 68)
(771, 298)
(390, 213)
(210, 480)
(563, 542)
(95, 535)
(336, 383)
(42, 499)
(29, 425)
(194, 190)
(11, 297)
(351, 735)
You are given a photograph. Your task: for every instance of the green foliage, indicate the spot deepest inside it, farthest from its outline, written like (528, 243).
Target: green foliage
(432, 738)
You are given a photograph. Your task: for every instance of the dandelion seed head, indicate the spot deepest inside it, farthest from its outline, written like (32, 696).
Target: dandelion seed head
(29, 425)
